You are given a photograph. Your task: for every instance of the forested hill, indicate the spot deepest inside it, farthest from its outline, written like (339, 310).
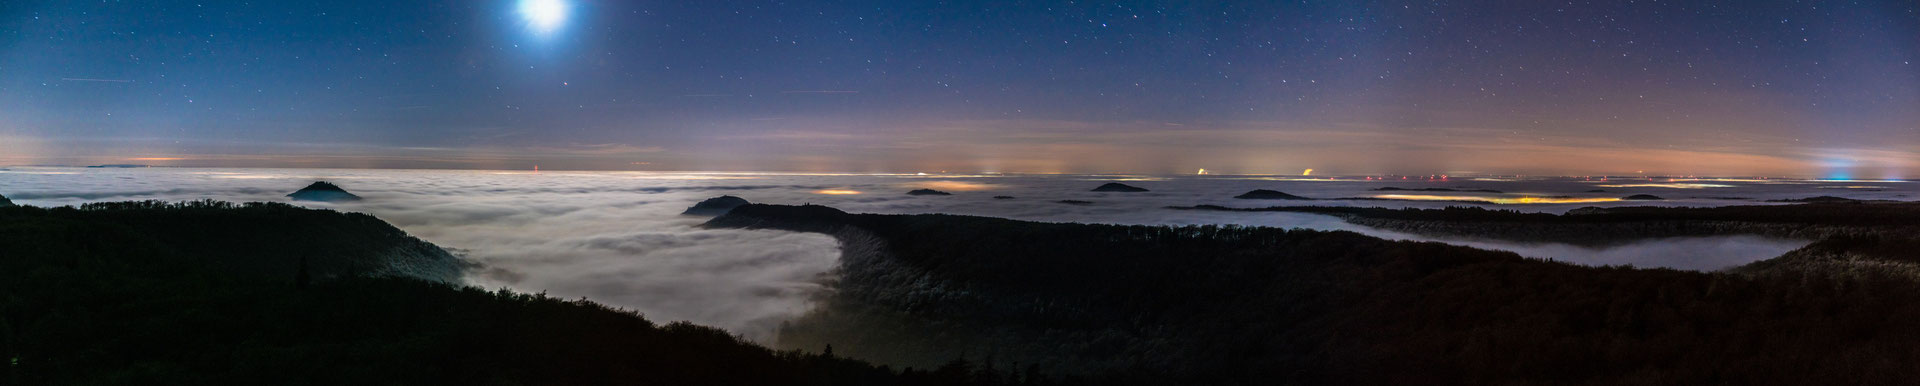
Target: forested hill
(1233, 305)
(149, 293)
(1819, 219)
(231, 238)
(1848, 234)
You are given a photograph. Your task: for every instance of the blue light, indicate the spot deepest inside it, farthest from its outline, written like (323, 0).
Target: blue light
(544, 17)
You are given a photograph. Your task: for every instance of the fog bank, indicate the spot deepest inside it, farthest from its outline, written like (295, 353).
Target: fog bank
(618, 237)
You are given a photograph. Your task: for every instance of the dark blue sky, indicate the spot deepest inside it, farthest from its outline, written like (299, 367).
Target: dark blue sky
(1683, 87)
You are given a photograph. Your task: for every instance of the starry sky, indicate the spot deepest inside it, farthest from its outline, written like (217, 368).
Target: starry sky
(1800, 88)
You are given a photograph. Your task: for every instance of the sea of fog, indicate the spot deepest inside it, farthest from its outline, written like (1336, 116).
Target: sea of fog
(618, 238)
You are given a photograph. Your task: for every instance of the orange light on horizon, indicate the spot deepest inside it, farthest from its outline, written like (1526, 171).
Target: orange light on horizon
(1667, 185)
(836, 192)
(956, 186)
(1498, 200)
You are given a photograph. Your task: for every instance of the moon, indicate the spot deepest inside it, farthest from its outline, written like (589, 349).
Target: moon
(544, 16)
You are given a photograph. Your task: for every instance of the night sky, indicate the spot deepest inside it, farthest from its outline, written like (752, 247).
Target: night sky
(1803, 88)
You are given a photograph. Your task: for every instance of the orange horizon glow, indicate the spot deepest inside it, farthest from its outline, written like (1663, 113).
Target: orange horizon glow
(952, 186)
(1498, 200)
(836, 192)
(1667, 185)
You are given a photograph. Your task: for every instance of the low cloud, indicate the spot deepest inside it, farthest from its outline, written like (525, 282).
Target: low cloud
(604, 149)
(618, 237)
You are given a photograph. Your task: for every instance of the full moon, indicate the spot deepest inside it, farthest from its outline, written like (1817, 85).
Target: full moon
(544, 16)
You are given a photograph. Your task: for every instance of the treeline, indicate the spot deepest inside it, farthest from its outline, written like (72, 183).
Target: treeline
(1236, 305)
(219, 293)
(228, 237)
(1856, 213)
(1607, 226)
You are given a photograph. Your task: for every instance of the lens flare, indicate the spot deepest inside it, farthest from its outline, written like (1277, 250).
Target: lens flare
(544, 16)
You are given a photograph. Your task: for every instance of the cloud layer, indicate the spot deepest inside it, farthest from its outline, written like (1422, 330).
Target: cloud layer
(618, 238)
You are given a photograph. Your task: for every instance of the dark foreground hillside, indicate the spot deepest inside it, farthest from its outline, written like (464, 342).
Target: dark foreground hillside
(1232, 305)
(150, 293)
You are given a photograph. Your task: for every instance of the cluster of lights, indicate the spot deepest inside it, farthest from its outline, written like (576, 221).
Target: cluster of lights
(1667, 185)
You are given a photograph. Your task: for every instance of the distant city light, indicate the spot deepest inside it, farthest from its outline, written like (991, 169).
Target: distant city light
(1498, 200)
(1672, 186)
(954, 186)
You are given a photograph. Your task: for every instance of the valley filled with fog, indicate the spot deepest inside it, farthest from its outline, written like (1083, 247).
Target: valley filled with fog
(619, 238)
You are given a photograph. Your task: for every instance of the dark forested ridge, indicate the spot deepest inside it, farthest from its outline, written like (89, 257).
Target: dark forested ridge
(1848, 234)
(141, 293)
(229, 238)
(1847, 213)
(1234, 305)
(1602, 226)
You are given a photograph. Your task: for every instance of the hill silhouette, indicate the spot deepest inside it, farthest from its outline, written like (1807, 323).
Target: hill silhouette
(323, 191)
(1118, 187)
(715, 206)
(1263, 194)
(927, 192)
